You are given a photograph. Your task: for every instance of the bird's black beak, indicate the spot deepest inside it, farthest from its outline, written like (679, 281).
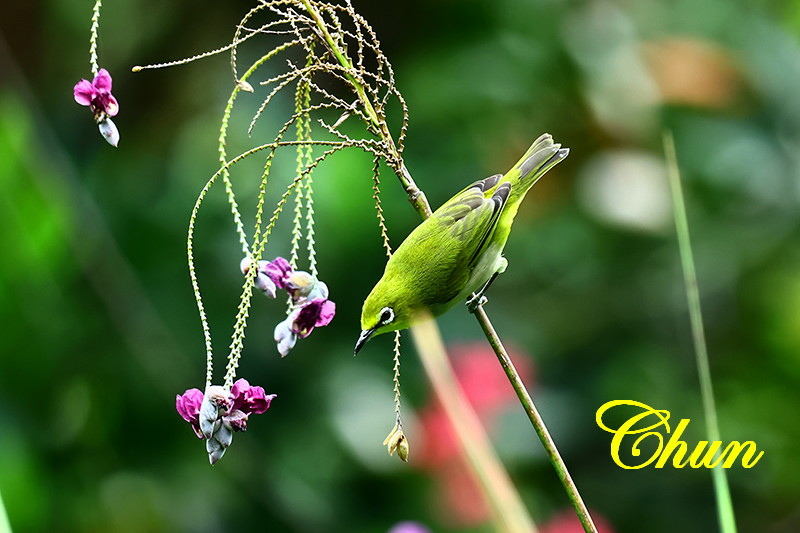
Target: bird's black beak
(362, 339)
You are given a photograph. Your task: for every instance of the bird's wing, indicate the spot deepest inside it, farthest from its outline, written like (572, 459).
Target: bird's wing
(470, 218)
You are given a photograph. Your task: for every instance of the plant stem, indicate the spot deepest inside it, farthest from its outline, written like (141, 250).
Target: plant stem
(721, 489)
(536, 420)
(93, 36)
(415, 195)
(510, 515)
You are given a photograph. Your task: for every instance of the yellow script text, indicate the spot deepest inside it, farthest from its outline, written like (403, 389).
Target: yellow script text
(648, 420)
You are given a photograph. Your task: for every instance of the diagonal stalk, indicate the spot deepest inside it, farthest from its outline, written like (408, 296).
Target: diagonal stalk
(536, 421)
(722, 491)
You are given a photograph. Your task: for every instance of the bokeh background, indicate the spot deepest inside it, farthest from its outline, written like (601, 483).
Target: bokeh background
(99, 330)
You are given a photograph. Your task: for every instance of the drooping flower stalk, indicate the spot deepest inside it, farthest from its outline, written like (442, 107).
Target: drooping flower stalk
(97, 93)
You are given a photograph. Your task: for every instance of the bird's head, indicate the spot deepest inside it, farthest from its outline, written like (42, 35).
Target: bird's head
(384, 310)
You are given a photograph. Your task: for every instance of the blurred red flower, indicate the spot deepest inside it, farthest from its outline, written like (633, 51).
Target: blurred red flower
(566, 521)
(488, 391)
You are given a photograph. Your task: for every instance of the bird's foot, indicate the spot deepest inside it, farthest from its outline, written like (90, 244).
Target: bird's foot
(476, 301)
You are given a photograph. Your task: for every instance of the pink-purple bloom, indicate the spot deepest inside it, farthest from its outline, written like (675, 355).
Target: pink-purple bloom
(188, 406)
(271, 275)
(277, 271)
(302, 321)
(309, 307)
(97, 94)
(249, 399)
(217, 414)
(316, 313)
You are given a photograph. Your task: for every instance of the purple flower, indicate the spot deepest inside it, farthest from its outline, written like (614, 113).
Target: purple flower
(309, 305)
(278, 271)
(217, 414)
(272, 275)
(97, 95)
(302, 321)
(316, 313)
(188, 406)
(249, 399)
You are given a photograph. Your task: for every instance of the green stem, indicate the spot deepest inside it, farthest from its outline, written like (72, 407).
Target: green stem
(93, 36)
(536, 421)
(415, 195)
(345, 62)
(721, 489)
(221, 148)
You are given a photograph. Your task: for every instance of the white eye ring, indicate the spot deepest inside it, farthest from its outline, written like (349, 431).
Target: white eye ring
(387, 315)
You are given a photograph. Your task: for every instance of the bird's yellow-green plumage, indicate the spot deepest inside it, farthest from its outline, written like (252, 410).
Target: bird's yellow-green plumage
(457, 250)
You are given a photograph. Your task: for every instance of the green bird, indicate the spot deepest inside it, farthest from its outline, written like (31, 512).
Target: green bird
(457, 252)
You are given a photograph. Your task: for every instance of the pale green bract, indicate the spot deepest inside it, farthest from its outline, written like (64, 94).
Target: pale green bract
(458, 250)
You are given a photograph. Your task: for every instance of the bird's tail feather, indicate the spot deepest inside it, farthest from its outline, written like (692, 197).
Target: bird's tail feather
(543, 155)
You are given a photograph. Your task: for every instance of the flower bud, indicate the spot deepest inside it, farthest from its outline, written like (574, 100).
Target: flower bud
(109, 131)
(245, 264)
(265, 285)
(320, 290)
(393, 438)
(396, 441)
(208, 417)
(402, 449)
(285, 337)
(215, 450)
(215, 400)
(300, 284)
(237, 420)
(244, 86)
(224, 434)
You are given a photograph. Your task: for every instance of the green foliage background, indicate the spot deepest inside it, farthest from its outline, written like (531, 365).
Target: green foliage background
(100, 331)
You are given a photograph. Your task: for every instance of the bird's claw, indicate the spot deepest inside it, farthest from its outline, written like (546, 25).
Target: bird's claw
(476, 301)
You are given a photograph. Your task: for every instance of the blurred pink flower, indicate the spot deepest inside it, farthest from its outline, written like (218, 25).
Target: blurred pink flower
(461, 496)
(488, 391)
(566, 521)
(409, 526)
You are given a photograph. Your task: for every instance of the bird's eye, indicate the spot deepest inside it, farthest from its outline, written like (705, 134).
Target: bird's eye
(387, 315)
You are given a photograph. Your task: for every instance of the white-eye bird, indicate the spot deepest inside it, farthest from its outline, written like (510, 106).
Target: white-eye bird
(456, 252)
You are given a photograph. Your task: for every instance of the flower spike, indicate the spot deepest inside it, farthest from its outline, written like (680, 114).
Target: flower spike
(217, 414)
